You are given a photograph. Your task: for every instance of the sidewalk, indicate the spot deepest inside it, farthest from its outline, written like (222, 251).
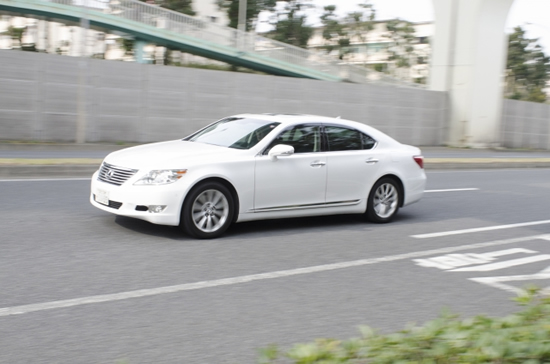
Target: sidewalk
(22, 160)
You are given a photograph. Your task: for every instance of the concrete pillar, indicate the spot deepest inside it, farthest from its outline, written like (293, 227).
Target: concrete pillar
(468, 61)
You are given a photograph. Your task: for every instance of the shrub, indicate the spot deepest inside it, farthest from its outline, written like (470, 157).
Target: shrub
(522, 337)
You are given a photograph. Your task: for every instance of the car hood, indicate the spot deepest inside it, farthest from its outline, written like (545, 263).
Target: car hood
(169, 155)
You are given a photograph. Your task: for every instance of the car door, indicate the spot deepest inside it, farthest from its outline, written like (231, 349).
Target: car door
(295, 181)
(352, 164)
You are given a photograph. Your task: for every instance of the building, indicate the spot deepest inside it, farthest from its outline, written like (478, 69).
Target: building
(373, 49)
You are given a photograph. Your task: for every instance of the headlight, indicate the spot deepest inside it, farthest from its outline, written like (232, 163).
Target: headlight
(161, 177)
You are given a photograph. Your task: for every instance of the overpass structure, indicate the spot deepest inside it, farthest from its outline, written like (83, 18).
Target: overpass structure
(151, 24)
(468, 61)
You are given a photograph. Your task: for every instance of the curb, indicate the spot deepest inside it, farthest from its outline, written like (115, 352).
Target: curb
(86, 170)
(47, 171)
(485, 164)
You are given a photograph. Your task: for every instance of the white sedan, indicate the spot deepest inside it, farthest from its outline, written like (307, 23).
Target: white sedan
(261, 166)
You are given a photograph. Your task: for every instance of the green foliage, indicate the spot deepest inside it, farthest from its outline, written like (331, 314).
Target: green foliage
(290, 25)
(353, 28)
(359, 23)
(16, 33)
(528, 68)
(402, 36)
(253, 8)
(127, 45)
(523, 337)
(333, 30)
(181, 6)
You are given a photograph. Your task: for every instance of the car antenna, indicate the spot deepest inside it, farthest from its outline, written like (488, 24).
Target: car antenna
(338, 117)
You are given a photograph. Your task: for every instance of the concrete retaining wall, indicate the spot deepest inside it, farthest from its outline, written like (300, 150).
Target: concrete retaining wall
(526, 125)
(129, 102)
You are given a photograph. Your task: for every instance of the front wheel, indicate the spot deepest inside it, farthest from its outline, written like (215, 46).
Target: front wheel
(207, 211)
(383, 201)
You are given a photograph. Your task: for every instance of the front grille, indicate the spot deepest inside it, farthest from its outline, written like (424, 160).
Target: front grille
(114, 174)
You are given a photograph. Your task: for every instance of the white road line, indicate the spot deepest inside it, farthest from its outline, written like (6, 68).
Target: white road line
(44, 179)
(502, 265)
(476, 230)
(17, 310)
(453, 190)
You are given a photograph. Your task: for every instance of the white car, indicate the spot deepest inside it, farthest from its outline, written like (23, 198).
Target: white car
(261, 166)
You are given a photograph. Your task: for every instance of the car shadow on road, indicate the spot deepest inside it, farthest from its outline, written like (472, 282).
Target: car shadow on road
(318, 224)
(273, 228)
(147, 228)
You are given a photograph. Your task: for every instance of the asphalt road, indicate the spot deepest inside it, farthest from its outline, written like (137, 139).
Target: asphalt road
(98, 283)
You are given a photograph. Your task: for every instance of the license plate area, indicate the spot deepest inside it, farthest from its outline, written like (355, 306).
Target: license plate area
(102, 197)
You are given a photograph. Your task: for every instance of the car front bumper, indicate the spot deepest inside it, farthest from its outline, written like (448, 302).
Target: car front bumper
(130, 200)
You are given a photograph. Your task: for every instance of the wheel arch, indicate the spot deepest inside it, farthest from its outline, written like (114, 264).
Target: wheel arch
(228, 185)
(400, 185)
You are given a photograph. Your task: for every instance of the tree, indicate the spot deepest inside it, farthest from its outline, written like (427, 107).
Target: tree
(16, 34)
(253, 9)
(290, 25)
(181, 6)
(401, 50)
(528, 68)
(334, 32)
(353, 28)
(360, 23)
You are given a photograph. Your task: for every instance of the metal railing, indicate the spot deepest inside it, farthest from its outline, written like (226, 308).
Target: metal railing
(246, 42)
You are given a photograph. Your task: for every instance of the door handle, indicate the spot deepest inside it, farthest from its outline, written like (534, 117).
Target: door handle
(371, 161)
(317, 164)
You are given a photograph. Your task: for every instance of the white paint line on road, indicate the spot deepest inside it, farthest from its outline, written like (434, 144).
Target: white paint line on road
(501, 265)
(476, 230)
(17, 310)
(44, 179)
(453, 190)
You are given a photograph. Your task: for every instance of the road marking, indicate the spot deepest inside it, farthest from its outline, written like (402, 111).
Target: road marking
(497, 282)
(44, 179)
(453, 261)
(476, 230)
(453, 190)
(17, 310)
(502, 265)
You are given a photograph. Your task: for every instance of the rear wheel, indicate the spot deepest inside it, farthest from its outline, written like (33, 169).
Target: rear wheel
(383, 201)
(207, 211)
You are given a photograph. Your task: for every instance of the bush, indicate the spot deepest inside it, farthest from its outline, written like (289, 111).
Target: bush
(523, 337)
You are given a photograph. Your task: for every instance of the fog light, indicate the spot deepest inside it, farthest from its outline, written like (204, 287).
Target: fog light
(155, 209)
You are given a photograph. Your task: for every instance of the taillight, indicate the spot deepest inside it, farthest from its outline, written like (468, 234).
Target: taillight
(419, 160)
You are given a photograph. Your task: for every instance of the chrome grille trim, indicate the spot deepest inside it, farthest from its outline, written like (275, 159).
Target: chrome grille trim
(115, 175)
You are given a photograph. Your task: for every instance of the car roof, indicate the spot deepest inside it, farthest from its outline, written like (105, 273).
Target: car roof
(289, 118)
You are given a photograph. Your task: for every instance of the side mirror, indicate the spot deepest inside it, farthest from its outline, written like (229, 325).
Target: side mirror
(280, 150)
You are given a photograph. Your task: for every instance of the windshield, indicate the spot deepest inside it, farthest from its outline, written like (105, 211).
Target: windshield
(238, 133)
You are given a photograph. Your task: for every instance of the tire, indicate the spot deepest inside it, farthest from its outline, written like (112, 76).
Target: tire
(207, 210)
(383, 202)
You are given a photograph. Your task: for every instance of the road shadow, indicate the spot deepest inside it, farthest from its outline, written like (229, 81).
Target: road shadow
(318, 224)
(273, 228)
(147, 228)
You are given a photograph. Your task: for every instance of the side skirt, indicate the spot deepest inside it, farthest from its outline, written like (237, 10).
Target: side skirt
(337, 208)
